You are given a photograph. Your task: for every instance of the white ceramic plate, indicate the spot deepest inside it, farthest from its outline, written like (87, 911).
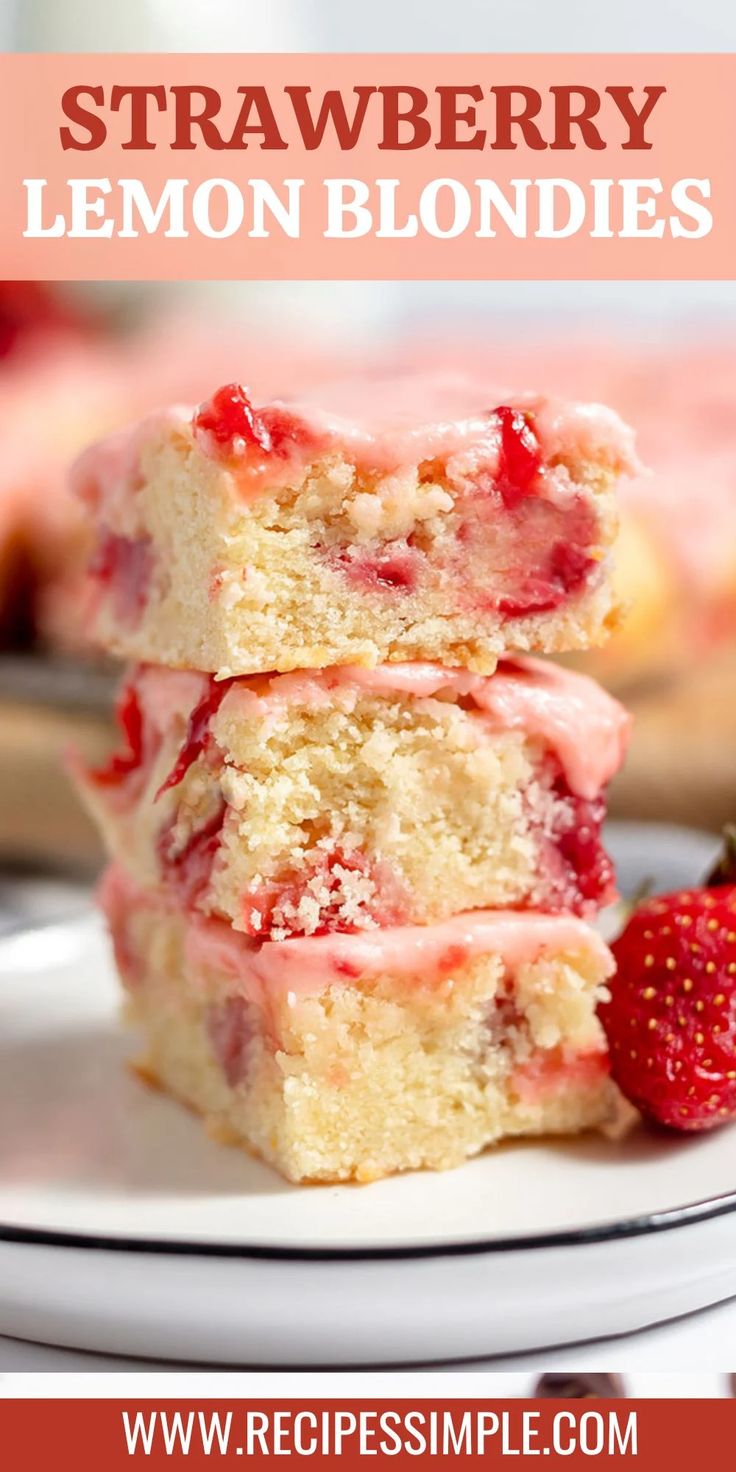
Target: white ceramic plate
(123, 1228)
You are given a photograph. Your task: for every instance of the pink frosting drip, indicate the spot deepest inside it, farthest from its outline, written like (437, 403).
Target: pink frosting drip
(380, 425)
(420, 953)
(582, 723)
(386, 422)
(586, 728)
(168, 695)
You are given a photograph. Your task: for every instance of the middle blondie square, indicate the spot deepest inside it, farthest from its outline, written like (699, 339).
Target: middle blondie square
(346, 799)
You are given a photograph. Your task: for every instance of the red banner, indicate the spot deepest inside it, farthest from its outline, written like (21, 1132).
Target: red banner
(86, 1435)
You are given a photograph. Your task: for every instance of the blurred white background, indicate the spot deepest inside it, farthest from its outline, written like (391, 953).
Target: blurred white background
(384, 25)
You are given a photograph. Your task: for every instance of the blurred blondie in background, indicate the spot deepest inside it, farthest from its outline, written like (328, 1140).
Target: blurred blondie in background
(78, 361)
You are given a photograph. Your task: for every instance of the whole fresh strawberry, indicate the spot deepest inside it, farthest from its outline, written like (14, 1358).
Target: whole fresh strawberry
(671, 1020)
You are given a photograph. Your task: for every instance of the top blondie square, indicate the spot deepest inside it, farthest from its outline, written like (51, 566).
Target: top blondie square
(423, 518)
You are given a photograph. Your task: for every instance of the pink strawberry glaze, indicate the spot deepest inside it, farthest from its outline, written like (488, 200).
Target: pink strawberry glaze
(168, 695)
(379, 425)
(581, 728)
(586, 728)
(277, 970)
(568, 712)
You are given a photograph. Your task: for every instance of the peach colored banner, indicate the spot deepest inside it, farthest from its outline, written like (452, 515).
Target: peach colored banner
(391, 166)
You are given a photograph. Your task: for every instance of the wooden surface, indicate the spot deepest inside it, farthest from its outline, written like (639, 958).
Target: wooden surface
(41, 819)
(49, 707)
(682, 763)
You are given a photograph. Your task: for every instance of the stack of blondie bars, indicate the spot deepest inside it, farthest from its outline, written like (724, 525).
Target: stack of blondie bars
(354, 823)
